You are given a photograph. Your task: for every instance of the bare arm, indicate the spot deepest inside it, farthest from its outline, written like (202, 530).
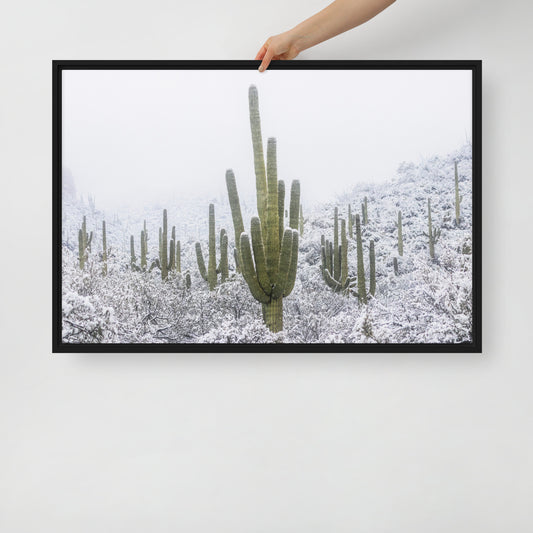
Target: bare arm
(338, 17)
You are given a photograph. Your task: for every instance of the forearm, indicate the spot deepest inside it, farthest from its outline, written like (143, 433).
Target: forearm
(338, 17)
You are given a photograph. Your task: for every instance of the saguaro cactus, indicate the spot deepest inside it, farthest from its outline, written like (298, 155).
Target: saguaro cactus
(271, 271)
(302, 220)
(177, 261)
(458, 197)
(133, 258)
(144, 246)
(164, 248)
(433, 234)
(364, 211)
(210, 274)
(104, 249)
(372, 257)
(335, 257)
(361, 284)
(400, 234)
(350, 222)
(84, 243)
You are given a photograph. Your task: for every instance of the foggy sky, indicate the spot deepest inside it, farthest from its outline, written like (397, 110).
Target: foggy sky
(131, 137)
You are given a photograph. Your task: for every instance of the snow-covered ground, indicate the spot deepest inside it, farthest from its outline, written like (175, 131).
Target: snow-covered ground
(430, 301)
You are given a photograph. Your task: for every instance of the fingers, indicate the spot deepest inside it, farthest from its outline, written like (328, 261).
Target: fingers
(266, 59)
(261, 52)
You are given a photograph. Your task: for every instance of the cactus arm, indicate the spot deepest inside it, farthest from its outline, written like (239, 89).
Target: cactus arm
(249, 271)
(224, 271)
(344, 254)
(284, 265)
(336, 251)
(294, 205)
(178, 256)
(235, 206)
(200, 261)
(361, 285)
(271, 228)
(281, 207)
(164, 246)
(81, 252)
(212, 260)
(259, 159)
(291, 277)
(172, 254)
(259, 255)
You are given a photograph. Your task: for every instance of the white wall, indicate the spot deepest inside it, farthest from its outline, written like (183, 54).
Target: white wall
(262, 443)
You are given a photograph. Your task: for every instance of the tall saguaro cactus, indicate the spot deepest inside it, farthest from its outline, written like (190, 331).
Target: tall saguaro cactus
(433, 233)
(458, 197)
(350, 221)
(84, 243)
(400, 234)
(210, 274)
(364, 211)
(361, 284)
(269, 261)
(372, 257)
(144, 246)
(335, 257)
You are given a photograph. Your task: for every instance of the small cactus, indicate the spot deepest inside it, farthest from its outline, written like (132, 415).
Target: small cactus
(210, 274)
(372, 257)
(364, 211)
(302, 221)
(433, 234)
(361, 285)
(350, 222)
(400, 234)
(84, 244)
(335, 257)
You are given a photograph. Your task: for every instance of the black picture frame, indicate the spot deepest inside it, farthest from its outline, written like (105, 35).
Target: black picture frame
(59, 66)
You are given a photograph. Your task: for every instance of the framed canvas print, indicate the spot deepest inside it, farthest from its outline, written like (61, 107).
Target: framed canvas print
(319, 206)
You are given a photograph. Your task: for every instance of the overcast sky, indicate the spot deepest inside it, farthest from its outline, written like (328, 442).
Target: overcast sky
(141, 135)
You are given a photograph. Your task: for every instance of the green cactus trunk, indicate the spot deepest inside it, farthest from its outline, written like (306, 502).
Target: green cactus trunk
(133, 259)
(84, 244)
(164, 248)
(223, 265)
(178, 256)
(81, 250)
(350, 222)
(336, 253)
(269, 261)
(172, 250)
(372, 255)
(400, 234)
(302, 221)
(212, 261)
(104, 249)
(361, 284)
(339, 282)
(364, 208)
(210, 274)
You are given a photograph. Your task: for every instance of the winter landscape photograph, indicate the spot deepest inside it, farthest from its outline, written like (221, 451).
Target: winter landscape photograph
(296, 207)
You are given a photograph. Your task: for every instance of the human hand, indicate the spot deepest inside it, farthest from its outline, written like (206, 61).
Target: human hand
(282, 46)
